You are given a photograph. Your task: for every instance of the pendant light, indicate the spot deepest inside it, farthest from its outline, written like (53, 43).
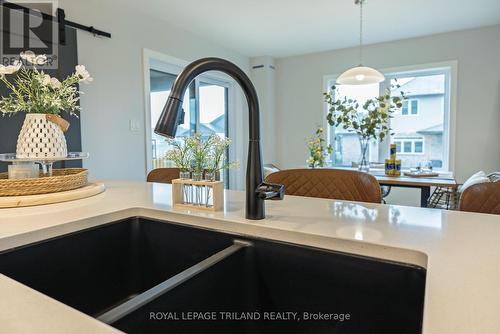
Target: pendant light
(360, 75)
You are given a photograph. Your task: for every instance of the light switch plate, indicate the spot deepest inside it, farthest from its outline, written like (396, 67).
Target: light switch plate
(134, 126)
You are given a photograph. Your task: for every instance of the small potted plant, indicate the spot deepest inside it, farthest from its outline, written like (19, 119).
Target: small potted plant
(318, 149)
(216, 162)
(42, 98)
(372, 122)
(205, 157)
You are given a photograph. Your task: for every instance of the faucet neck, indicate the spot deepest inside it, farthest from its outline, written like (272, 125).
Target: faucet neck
(217, 64)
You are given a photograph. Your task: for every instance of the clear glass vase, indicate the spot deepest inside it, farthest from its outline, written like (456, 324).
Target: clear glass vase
(197, 189)
(197, 176)
(207, 190)
(209, 176)
(185, 175)
(364, 162)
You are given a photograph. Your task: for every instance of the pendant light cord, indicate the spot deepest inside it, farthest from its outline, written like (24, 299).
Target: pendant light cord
(361, 32)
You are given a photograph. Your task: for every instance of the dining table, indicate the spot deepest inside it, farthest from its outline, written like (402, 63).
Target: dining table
(424, 183)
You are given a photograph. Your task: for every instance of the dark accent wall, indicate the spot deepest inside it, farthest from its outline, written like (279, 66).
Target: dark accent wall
(11, 125)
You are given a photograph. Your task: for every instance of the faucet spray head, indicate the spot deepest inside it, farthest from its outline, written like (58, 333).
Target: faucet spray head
(170, 118)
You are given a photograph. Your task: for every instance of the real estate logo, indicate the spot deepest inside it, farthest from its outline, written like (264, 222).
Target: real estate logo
(24, 27)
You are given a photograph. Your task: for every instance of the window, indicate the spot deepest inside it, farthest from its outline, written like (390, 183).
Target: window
(153, 148)
(160, 86)
(212, 109)
(205, 106)
(418, 146)
(409, 145)
(423, 135)
(398, 146)
(410, 107)
(421, 129)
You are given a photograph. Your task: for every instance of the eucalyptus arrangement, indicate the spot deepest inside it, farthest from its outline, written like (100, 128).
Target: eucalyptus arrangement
(318, 149)
(43, 98)
(372, 122)
(200, 156)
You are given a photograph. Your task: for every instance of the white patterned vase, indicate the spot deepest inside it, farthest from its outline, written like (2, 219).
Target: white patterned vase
(40, 138)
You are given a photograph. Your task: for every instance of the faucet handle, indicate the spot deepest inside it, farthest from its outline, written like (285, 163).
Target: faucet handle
(270, 191)
(182, 116)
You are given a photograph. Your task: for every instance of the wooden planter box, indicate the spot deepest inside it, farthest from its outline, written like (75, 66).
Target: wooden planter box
(190, 194)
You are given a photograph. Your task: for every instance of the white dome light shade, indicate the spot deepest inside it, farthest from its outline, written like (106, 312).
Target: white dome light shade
(360, 75)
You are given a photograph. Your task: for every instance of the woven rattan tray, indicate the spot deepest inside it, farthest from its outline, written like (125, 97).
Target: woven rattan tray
(61, 180)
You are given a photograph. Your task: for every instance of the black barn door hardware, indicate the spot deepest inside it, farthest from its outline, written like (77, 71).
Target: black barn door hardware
(60, 19)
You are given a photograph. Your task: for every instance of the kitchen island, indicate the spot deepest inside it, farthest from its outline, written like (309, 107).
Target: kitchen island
(460, 251)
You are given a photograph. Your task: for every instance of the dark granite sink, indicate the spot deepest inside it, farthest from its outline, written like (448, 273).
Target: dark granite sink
(268, 287)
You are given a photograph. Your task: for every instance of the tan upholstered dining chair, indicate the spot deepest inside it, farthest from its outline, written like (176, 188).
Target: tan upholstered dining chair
(328, 183)
(482, 198)
(163, 175)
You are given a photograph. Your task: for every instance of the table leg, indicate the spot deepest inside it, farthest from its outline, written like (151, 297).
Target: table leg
(425, 193)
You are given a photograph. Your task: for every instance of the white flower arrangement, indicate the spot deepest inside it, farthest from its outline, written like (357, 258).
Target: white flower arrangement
(34, 91)
(180, 154)
(215, 159)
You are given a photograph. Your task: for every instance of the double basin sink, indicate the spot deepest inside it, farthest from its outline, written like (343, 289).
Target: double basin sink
(145, 276)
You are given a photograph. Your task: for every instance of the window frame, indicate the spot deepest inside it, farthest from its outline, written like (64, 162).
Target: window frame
(450, 69)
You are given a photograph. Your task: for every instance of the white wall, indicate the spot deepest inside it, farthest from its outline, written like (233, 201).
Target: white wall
(263, 75)
(299, 88)
(117, 95)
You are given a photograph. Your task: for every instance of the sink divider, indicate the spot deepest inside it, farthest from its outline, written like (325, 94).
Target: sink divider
(147, 296)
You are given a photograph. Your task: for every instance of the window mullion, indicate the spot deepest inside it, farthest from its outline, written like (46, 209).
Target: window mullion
(196, 114)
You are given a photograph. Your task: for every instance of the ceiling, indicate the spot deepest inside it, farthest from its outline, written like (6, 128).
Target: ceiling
(282, 28)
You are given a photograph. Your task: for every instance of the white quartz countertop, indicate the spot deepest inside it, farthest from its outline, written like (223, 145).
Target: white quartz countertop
(461, 251)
